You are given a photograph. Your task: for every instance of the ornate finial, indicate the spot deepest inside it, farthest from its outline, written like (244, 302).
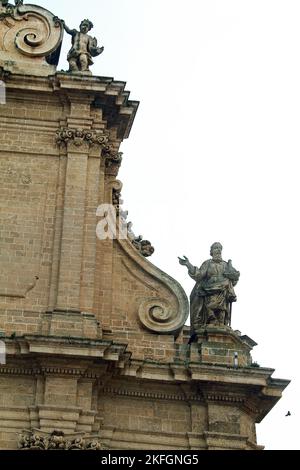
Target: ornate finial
(84, 47)
(213, 294)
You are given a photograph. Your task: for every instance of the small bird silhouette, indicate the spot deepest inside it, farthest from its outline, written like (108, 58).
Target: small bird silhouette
(288, 413)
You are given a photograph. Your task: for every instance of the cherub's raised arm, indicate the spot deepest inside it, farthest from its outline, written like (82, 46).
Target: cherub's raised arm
(66, 28)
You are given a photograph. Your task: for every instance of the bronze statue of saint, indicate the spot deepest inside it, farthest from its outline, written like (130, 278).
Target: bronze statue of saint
(84, 47)
(213, 294)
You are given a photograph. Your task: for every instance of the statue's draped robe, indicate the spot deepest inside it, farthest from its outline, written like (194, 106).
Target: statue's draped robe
(212, 291)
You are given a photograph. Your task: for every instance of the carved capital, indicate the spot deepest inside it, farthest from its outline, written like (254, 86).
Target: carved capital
(113, 161)
(79, 137)
(57, 440)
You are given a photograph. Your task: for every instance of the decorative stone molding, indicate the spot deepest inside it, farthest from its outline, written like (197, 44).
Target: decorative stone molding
(57, 440)
(48, 371)
(30, 39)
(78, 137)
(152, 396)
(224, 398)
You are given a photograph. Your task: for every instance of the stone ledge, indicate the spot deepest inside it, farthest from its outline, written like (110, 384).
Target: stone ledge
(68, 346)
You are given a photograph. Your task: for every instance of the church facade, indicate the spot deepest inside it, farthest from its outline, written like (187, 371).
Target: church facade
(96, 353)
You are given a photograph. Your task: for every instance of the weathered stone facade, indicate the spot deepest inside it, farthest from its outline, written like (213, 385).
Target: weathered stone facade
(94, 333)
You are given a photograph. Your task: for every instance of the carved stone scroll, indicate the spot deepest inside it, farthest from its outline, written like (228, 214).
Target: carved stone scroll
(30, 39)
(162, 314)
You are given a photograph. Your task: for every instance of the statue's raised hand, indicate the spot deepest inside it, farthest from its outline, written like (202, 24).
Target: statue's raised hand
(184, 261)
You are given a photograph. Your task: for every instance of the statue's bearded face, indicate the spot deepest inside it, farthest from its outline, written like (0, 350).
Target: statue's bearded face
(216, 253)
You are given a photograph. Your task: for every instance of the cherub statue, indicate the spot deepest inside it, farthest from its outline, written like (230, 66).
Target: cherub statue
(84, 47)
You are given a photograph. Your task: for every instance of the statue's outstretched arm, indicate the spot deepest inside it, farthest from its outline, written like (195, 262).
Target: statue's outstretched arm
(66, 28)
(185, 262)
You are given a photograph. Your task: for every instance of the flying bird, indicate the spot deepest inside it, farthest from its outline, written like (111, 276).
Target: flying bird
(288, 413)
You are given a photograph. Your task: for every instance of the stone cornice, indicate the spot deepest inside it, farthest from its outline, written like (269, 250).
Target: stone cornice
(104, 92)
(215, 383)
(68, 347)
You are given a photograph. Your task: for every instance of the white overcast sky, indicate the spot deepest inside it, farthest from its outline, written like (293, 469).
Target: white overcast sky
(214, 153)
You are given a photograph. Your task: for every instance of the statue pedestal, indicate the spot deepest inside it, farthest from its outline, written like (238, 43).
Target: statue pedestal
(222, 346)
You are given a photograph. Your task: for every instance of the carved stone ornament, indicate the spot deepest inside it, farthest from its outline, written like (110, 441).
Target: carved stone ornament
(78, 137)
(157, 315)
(57, 440)
(113, 162)
(144, 247)
(30, 39)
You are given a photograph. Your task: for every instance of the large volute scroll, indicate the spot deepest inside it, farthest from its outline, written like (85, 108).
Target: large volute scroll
(165, 312)
(30, 39)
